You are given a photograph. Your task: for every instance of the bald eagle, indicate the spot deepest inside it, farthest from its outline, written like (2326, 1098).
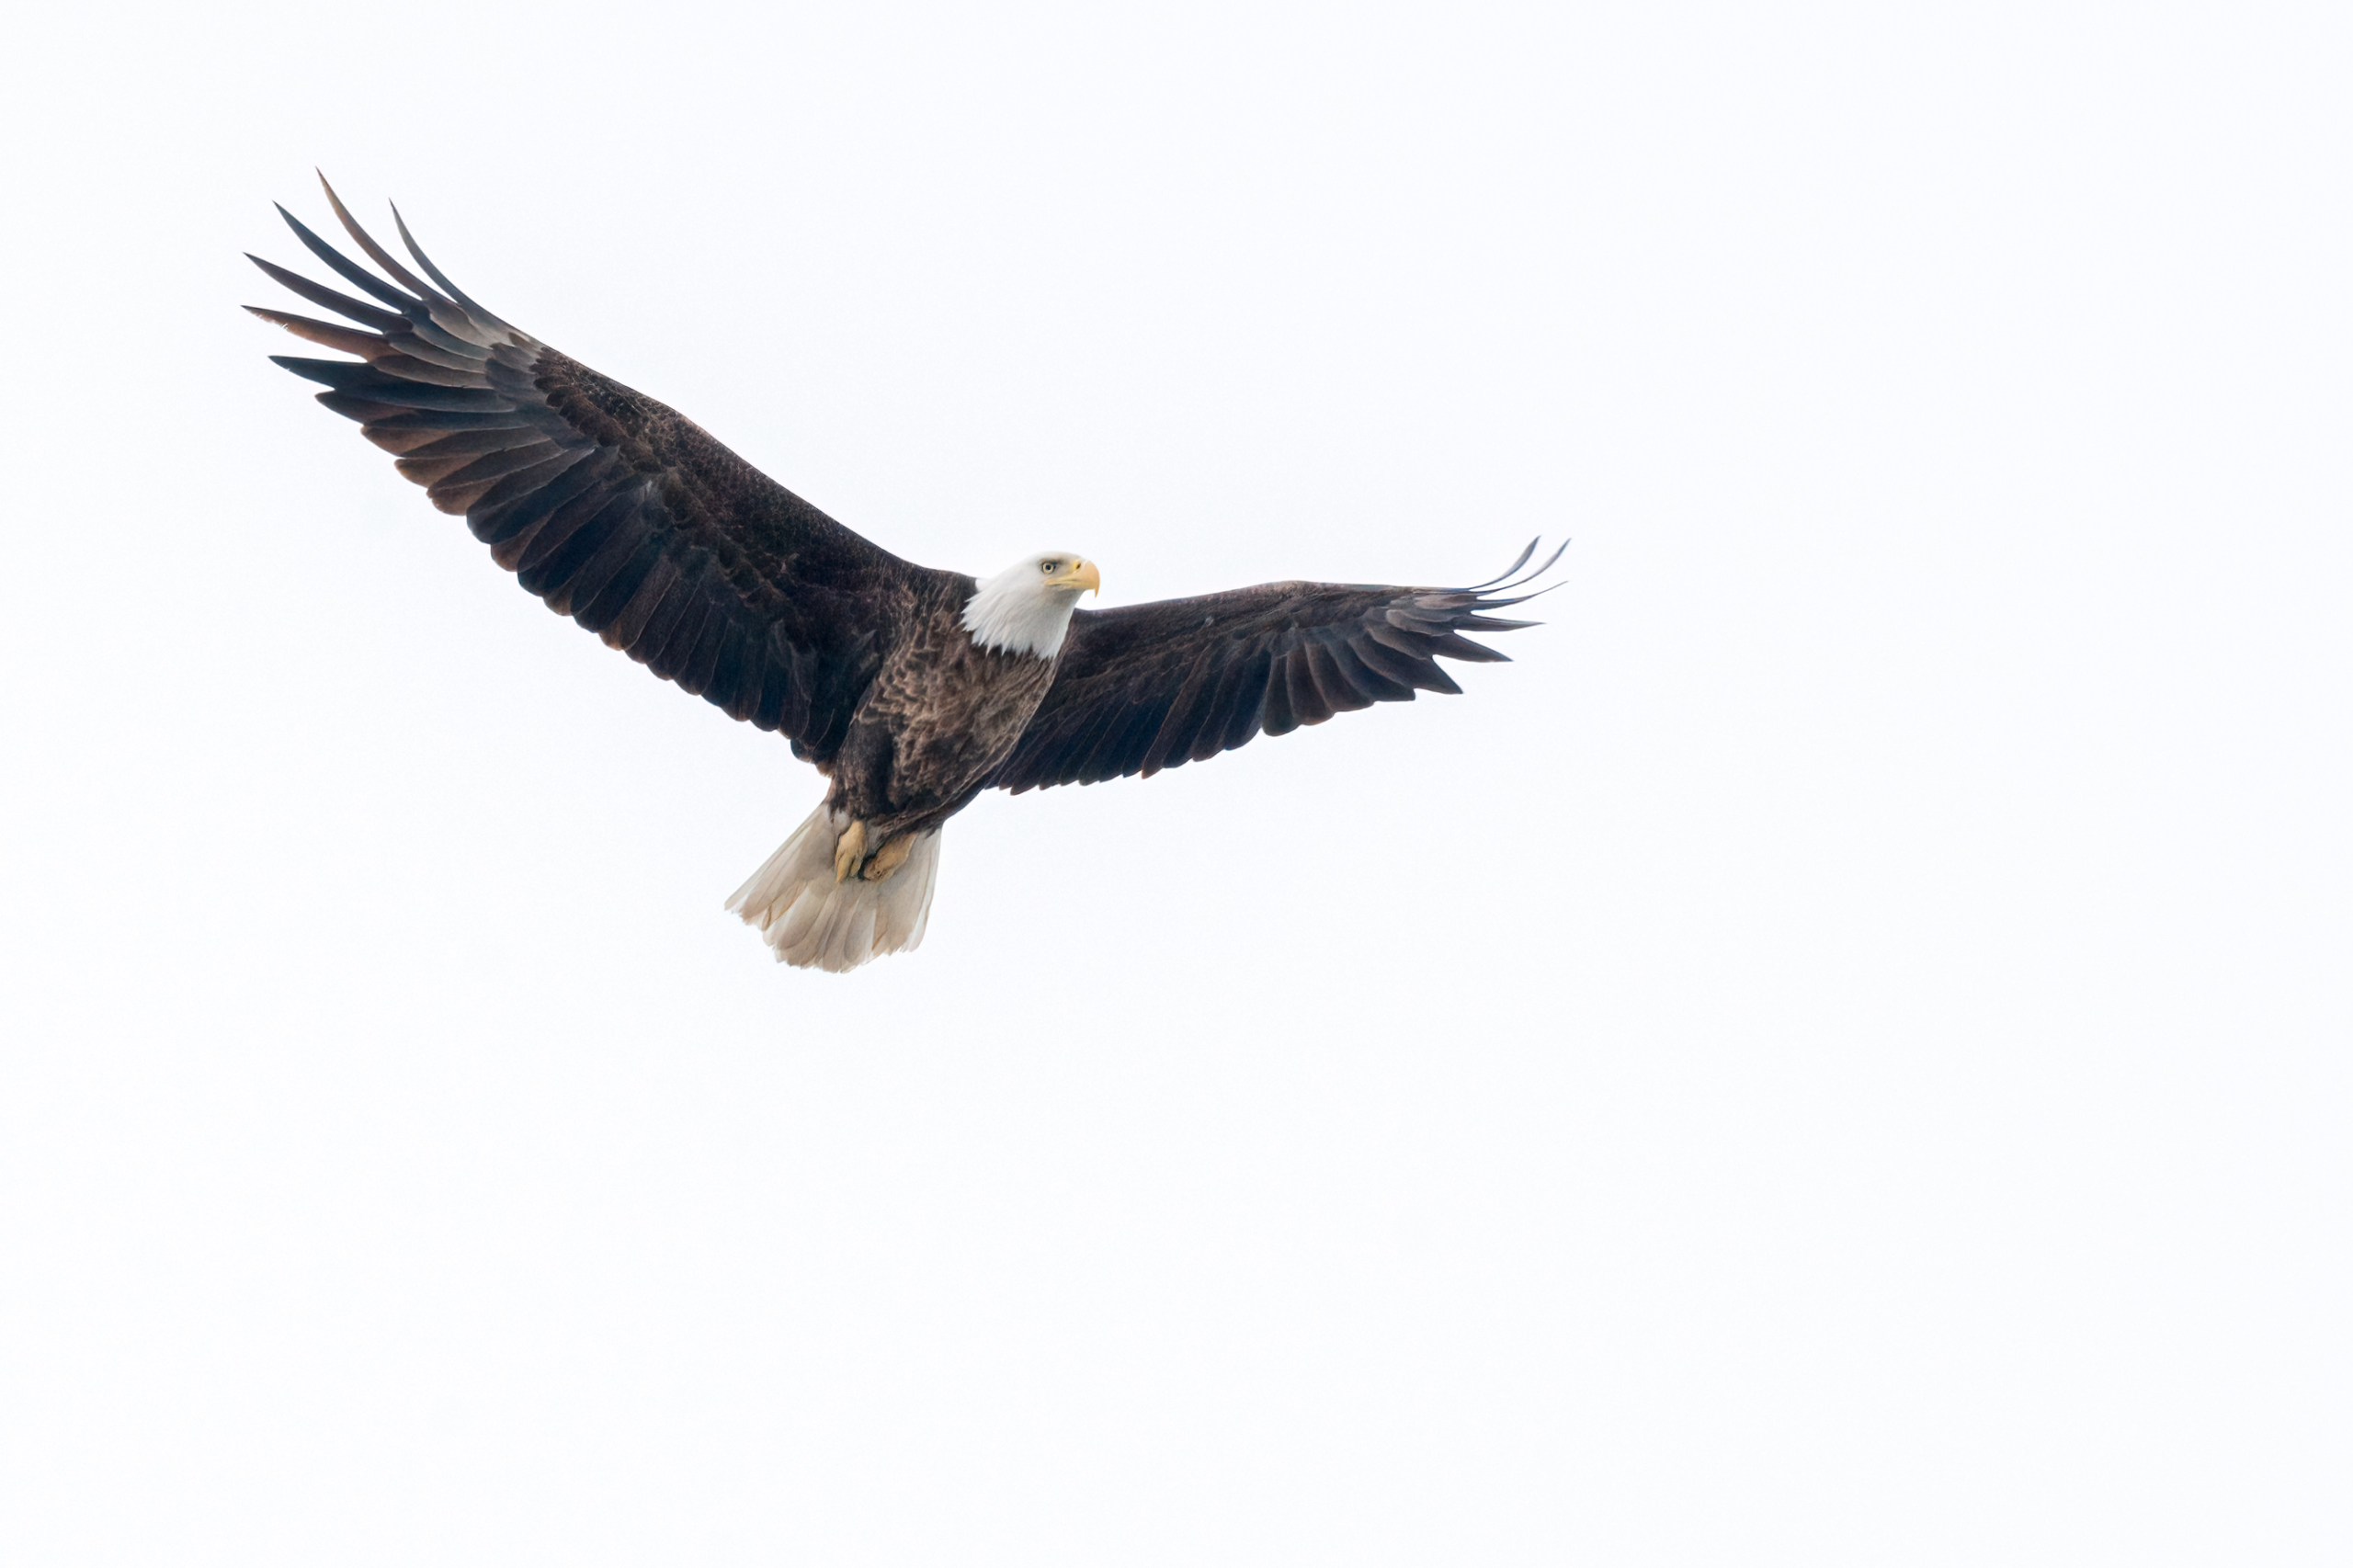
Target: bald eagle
(912, 689)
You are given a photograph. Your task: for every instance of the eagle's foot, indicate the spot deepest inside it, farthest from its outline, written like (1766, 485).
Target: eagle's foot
(848, 850)
(889, 857)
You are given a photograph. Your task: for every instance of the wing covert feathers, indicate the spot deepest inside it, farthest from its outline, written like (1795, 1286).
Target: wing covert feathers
(1147, 687)
(611, 507)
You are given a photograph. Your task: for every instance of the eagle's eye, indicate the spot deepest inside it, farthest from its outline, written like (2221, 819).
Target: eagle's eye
(1047, 567)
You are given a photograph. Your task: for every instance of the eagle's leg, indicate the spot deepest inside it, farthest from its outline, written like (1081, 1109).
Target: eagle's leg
(889, 857)
(848, 850)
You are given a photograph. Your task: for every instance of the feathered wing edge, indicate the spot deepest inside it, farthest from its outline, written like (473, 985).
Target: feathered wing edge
(1151, 686)
(433, 316)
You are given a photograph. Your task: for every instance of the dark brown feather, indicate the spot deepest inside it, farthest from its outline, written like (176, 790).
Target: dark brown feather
(630, 624)
(1275, 714)
(506, 519)
(326, 335)
(351, 271)
(428, 472)
(329, 299)
(499, 439)
(610, 601)
(414, 367)
(375, 251)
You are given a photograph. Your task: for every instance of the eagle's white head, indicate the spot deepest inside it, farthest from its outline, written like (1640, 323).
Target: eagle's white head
(1026, 608)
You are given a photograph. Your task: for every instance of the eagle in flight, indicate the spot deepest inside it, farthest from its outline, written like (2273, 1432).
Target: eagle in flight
(912, 689)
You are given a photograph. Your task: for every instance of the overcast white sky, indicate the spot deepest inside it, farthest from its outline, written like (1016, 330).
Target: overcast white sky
(1837, 1056)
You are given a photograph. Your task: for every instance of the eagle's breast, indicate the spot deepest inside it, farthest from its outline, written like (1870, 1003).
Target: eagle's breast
(942, 713)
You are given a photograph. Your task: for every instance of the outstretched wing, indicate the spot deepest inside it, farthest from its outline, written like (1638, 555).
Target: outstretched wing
(1153, 685)
(613, 508)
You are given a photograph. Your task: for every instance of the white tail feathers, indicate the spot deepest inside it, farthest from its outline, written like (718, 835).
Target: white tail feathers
(815, 922)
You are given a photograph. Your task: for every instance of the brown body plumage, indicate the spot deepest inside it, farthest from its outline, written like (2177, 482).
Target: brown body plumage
(936, 722)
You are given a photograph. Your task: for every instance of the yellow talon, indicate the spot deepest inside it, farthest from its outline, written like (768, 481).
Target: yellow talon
(848, 850)
(889, 857)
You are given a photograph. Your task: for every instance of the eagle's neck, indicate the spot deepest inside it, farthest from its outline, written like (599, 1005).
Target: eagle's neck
(1014, 613)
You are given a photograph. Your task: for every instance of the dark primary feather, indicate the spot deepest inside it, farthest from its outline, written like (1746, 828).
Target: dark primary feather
(1153, 685)
(611, 507)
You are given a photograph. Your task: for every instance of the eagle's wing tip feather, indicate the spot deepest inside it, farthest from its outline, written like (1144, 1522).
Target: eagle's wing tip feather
(1517, 561)
(1499, 584)
(465, 300)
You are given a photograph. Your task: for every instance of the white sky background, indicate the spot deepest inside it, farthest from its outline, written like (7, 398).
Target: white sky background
(1837, 1056)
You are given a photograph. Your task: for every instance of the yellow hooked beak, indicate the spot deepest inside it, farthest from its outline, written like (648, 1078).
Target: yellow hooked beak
(1085, 577)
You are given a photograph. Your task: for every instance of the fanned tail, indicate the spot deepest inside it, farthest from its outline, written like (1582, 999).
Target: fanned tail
(815, 922)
